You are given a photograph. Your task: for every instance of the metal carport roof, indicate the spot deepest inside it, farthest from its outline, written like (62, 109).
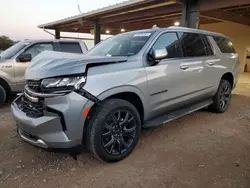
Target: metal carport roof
(140, 14)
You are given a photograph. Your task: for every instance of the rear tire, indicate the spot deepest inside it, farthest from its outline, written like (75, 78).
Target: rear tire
(113, 131)
(2, 96)
(222, 98)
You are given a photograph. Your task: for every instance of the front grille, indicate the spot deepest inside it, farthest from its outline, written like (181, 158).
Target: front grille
(31, 109)
(55, 89)
(34, 85)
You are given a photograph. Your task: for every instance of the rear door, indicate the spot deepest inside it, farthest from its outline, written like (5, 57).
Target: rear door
(20, 67)
(212, 66)
(174, 81)
(196, 54)
(70, 47)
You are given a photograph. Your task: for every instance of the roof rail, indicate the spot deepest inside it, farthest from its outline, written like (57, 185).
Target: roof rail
(196, 30)
(179, 27)
(155, 27)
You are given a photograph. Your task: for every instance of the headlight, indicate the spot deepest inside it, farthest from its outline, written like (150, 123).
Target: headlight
(60, 84)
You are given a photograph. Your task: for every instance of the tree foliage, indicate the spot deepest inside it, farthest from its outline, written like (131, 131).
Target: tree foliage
(5, 42)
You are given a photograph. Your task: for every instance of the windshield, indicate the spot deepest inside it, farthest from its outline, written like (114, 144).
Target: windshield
(11, 51)
(127, 44)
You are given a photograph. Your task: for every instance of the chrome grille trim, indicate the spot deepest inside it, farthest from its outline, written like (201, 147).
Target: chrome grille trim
(34, 85)
(42, 95)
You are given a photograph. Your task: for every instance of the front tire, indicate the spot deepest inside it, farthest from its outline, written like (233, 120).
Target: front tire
(2, 95)
(222, 98)
(113, 131)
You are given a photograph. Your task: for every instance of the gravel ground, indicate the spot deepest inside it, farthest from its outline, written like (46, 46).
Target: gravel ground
(202, 150)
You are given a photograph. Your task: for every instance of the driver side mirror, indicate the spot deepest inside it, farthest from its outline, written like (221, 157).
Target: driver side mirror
(157, 54)
(24, 58)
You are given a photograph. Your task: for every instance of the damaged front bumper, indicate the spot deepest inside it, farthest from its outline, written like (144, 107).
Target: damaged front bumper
(61, 124)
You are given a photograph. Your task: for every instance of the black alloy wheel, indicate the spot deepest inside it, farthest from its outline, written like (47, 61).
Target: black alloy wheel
(222, 98)
(113, 130)
(225, 96)
(119, 132)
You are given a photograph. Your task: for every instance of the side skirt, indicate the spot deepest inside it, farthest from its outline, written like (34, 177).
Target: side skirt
(176, 114)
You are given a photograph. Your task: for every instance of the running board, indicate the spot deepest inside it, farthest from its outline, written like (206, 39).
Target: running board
(176, 114)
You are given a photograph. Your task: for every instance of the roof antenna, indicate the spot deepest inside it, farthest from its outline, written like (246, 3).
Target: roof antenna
(78, 6)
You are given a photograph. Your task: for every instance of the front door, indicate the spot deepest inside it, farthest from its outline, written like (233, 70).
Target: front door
(20, 67)
(172, 83)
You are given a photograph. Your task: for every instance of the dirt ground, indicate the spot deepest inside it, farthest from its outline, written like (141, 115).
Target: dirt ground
(202, 150)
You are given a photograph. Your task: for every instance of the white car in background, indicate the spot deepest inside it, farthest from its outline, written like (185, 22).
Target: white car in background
(15, 60)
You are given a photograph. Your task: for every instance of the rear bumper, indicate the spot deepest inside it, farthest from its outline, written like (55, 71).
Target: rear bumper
(48, 130)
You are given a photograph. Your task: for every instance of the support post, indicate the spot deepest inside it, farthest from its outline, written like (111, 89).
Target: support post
(190, 14)
(184, 14)
(57, 34)
(97, 32)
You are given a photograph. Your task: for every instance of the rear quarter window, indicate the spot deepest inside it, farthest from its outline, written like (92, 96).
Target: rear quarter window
(225, 45)
(70, 47)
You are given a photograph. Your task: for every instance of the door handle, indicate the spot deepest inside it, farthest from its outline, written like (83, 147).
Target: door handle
(8, 66)
(210, 63)
(184, 67)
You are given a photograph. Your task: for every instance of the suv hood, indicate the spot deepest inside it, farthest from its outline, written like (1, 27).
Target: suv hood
(52, 64)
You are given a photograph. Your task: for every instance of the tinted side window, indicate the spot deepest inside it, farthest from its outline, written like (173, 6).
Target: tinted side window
(171, 43)
(192, 44)
(225, 45)
(208, 46)
(36, 49)
(71, 47)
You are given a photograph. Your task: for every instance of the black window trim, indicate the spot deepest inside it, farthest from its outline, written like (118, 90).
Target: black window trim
(155, 40)
(206, 40)
(33, 44)
(209, 41)
(181, 48)
(201, 34)
(204, 45)
(69, 42)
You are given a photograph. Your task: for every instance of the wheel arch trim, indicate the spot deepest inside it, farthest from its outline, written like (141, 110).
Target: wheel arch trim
(232, 82)
(121, 89)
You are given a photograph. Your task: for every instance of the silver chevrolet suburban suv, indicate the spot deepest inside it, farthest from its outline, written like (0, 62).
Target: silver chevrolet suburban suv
(130, 81)
(15, 60)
